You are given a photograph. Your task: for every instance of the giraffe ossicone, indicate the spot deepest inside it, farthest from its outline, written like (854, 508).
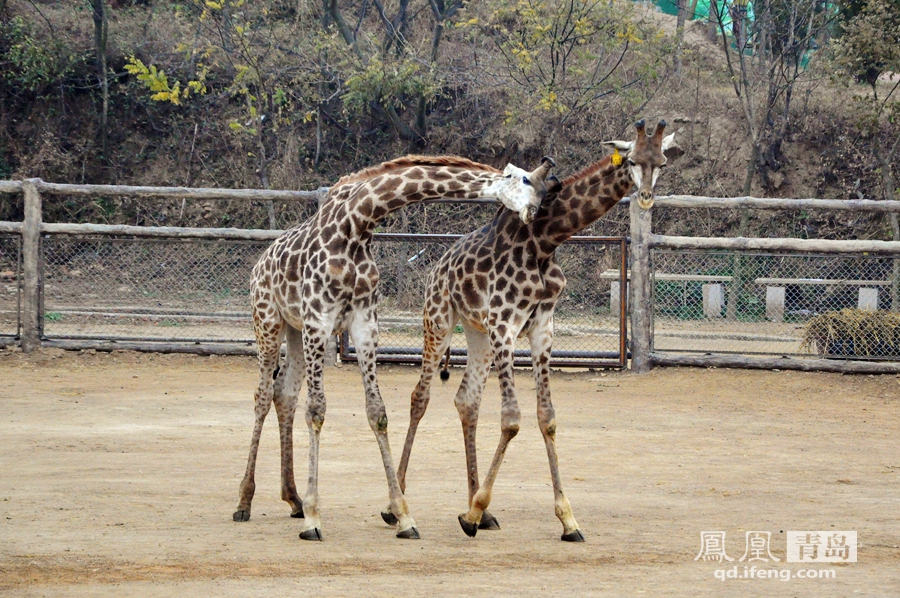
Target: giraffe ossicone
(502, 282)
(319, 278)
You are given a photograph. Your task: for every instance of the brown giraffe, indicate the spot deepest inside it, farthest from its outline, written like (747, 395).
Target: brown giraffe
(319, 279)
(502, 282)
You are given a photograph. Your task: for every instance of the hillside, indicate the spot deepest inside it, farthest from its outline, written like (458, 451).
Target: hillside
(285, 104)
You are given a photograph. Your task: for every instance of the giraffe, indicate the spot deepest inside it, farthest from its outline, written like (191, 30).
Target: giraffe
(503, 282)
(319, 279)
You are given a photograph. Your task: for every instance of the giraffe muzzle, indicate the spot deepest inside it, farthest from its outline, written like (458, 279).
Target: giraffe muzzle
(645, 199)
(528, 213)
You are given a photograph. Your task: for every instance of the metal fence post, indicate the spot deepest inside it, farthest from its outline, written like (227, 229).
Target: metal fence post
(31, 267)
(641, 328)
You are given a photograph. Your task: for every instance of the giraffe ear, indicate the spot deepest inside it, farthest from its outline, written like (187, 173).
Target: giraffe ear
(511, 170)
(554, 184)
(624, 146)
(670, 147)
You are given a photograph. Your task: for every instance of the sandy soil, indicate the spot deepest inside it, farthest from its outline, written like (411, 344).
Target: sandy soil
(120, 473)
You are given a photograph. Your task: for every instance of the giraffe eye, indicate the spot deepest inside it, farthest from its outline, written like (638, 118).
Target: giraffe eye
(526, 181)
(630, 162)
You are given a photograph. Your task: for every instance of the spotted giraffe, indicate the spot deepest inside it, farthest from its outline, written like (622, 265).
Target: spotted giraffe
(319, 279)
(503, 282)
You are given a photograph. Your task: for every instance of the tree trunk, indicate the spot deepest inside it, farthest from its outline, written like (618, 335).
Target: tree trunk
(738, 283)
(440, 14)
(887, 178)
(318, 136)
(679, 35)
(100, 35)
(334, 13)
(712, 23)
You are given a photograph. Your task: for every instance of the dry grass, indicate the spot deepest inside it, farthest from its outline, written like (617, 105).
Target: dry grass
(854, 332)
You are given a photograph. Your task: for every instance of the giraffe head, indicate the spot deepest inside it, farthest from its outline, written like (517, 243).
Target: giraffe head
(522, 191)
(645, 157)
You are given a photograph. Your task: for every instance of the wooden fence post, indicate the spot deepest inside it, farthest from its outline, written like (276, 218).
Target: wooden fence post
(641, 316)
(31, 267)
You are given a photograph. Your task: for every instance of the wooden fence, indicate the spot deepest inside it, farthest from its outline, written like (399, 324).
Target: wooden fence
(642, 241)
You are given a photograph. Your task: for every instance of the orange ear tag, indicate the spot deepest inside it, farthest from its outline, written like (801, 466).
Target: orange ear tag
(616, 158)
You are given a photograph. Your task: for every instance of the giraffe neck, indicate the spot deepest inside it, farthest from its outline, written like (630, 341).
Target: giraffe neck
(583, 199)
(365, 203)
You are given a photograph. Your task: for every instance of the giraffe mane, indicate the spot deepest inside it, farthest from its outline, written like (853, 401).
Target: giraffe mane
(586, 171)
(413, 160)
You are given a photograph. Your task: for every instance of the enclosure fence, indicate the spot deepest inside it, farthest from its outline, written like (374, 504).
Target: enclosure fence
(769, 303)
(705, 301)
(187, 290)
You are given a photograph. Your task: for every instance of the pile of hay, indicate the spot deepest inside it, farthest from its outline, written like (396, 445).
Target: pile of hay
(854, 332)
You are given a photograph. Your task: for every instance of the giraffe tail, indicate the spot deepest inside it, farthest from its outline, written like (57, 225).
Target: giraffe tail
(445, 370)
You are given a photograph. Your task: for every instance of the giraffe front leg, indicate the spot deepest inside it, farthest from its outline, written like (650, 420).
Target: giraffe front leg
(364, 330)
(541, 337)
(269, 345)
(314, 343)
(503, 344)
(287, 389)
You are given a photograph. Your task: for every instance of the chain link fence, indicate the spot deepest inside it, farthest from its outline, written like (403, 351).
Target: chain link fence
(196, 291)
(10, 284)
(835, 306)
(588, 320)
(185, 291)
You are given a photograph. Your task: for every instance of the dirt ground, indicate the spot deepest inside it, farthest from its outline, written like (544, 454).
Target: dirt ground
(119, 473)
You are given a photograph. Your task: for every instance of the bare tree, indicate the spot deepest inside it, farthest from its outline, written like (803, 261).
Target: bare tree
(870, 47)
(98, 9)
(765, 61)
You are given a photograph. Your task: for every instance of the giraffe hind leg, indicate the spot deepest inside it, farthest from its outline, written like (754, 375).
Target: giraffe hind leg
(503, 341)
(287, 389)
(468, 402)
(437, 334)
(268, 338)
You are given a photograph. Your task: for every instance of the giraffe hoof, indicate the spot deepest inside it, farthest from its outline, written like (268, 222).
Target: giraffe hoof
(573, 536)
(488, 521)
(470, 528)
(389, 518)
(409, 534)
(298, 514)
(311, 534)
(241, 515)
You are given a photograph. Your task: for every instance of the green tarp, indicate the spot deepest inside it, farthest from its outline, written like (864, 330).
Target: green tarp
(702, 11)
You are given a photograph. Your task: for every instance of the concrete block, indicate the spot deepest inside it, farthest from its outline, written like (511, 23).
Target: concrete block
(775, 304)
(713, 300)
(614, 296)
(868, 299)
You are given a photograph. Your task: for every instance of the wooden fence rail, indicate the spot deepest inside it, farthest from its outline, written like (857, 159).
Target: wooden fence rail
(642, 241)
